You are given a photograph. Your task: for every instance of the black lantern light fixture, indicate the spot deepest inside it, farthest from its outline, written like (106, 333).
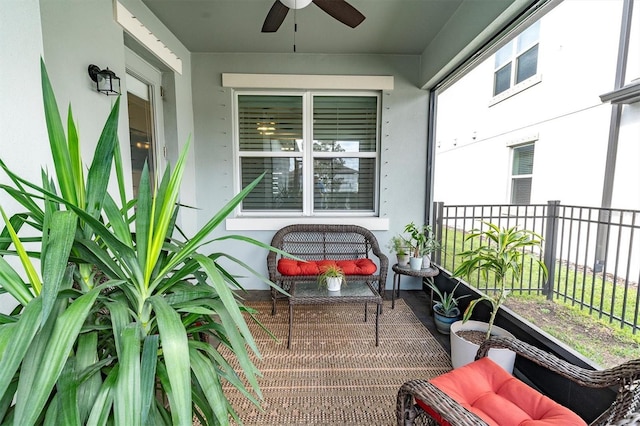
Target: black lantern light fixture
(107, 81)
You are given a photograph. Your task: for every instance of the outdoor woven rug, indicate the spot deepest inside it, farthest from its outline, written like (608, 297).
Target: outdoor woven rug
(334, 374)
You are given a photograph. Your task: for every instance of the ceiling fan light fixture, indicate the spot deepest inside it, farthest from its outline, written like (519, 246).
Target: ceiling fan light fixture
(296, 4)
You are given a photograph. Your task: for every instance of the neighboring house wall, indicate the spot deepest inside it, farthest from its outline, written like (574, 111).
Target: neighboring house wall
(403, 136)
(559, 110)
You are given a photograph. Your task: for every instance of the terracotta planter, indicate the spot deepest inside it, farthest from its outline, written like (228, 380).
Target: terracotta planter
(463, 352)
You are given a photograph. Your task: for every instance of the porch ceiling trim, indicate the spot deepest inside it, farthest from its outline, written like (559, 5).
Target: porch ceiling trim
(308, 81)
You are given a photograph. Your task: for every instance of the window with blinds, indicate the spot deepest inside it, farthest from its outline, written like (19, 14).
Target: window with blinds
(319, 152)
(522, 174)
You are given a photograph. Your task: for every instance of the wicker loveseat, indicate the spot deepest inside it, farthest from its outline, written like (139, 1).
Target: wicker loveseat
(417, 397)
(317, 242)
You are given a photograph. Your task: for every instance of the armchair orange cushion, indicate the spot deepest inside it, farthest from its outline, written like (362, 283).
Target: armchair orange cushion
(500, 399)
(292, 267)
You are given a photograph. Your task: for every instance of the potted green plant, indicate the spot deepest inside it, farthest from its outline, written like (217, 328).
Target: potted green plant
(497, 258)
(417, 242)
(331, 276)
(399, 245)
(109, 330)
(430, 246)
(446, 310)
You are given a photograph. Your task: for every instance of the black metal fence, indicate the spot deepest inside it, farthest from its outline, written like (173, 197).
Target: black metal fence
(592, 254)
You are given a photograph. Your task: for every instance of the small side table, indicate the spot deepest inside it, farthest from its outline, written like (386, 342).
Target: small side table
(405, 270)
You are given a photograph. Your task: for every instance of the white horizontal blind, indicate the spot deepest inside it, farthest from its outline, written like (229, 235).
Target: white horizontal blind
(270, 129)
(338, 173)
(345, 130)
(522, 171)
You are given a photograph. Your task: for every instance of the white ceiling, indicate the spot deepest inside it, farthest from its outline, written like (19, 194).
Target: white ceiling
(390, 27)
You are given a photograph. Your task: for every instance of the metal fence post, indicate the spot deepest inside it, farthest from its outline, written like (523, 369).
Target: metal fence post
(438, 209)
(550, 243)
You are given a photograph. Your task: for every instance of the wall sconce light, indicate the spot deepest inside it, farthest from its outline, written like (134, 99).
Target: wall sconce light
(107, 81)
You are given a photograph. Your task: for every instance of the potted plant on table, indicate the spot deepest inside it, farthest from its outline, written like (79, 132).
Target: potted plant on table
(399, 245)
(107, 332)
(430, 245)
(498, 258)
(446, 311)
(417, 241)
(331, 276)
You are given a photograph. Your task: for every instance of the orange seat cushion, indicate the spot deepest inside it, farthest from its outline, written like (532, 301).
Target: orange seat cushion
(292, 267)
(500, 399)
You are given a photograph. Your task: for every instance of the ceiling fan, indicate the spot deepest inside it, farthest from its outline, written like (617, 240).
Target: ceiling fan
(338, 9)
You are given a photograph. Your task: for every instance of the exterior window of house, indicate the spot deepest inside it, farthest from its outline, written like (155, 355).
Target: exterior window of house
(319, 152)
(521, 174)
(517, 60)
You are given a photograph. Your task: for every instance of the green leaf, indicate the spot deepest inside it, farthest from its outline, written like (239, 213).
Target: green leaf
(54, 265)
(127, 402)
(57, 139)
(57, 350)
(86, 359)
(100, 169)
(102, 407)
(13, 284)
(210, 384)
(148, 375)
(67, 387)
(75, 156)
(20, 336)
(30, 270)
(175, 348)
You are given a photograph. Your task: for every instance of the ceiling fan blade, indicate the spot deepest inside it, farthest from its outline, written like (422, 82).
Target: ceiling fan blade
(275, 17)
(342, 11)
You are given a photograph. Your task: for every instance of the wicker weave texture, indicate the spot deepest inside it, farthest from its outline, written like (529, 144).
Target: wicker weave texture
(625, 378)
(320, 242)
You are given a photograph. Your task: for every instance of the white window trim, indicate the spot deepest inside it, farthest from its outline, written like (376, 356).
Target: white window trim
(308, 156)
(307, 81)
(514, 90)
(273, 224)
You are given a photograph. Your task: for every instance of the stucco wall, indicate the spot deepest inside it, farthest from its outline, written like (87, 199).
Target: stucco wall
(404, 124)
(70, 35)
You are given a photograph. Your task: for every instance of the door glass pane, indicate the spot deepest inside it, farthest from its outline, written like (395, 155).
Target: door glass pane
(345, 123)
(527, 64)
(344, 184)
(502, 79)
(281, 187)
(270, 123)
(141, 139)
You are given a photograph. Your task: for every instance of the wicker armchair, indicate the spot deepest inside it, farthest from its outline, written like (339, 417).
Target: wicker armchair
(623, 411)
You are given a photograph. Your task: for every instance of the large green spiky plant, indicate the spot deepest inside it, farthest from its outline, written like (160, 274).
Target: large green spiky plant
(498, 257)
(110, 329)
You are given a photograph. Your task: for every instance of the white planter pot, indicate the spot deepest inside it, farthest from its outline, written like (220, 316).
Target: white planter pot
(333, 283)
(463, 352)
(415, 263)
(426, 261)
